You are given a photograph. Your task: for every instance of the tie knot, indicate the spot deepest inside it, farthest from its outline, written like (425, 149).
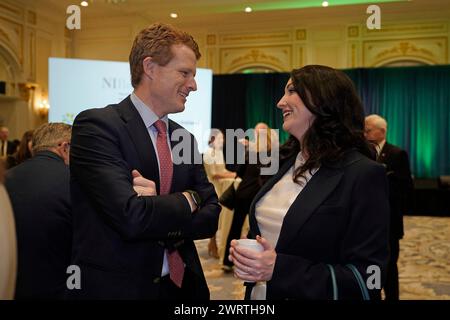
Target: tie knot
(160, 126)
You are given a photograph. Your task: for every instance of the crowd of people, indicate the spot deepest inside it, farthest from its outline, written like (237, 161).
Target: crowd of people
(107, 196)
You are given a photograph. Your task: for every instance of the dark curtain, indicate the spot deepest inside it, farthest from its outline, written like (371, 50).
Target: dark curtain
(264, 92)
(228, 101)
(414, 100)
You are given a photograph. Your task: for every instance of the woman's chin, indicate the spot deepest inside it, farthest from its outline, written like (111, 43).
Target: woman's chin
(286, 126)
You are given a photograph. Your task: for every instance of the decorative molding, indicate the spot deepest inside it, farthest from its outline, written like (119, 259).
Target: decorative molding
(32, 55)
(31, 17)
(407, 29)
(210, 62)
(353, 32)
(270, 37)
(11, 11)
(431, 50)
(354, 53)
(300, 34)
(211, 39)
(11, 35)
(300, 57)
(276, 57)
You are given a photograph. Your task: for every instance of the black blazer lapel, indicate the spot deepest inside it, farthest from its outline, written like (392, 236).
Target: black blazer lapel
(384, 153)
(315, 192)
(139, 136)
(264, 189)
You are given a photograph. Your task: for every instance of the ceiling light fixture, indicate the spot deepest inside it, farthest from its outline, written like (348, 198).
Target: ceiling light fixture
(84, 3)
(248, 9)
(173, 15)
(325, 4)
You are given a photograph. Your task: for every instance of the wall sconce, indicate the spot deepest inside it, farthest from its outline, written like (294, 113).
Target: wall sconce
(43, 108)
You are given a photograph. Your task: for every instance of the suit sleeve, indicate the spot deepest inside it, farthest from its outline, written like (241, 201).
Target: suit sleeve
(204, 222)
(100, 170)
(401, 181)
(365, 243)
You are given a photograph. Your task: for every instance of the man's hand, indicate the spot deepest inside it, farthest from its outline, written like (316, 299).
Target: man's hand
(142, 186)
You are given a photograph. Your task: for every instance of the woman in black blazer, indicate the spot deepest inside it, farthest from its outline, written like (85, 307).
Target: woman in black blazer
(327, 206)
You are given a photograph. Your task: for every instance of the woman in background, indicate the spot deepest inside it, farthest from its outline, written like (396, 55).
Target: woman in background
(328, 204)
(219, 176)
(24, 151)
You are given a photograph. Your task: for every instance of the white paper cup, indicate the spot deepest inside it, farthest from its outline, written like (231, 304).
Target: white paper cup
(251, 244)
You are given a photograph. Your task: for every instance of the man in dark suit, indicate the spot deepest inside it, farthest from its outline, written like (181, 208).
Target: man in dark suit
(139, 245)
(40, 197)
(7, 147)
(398, 173)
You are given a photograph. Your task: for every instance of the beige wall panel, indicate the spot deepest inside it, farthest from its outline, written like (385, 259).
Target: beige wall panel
(255, 38)
(329, 54)
(9, 10)
(117, 50)
(11, 36)
(354, 54)
(326, 34)
(43, 52)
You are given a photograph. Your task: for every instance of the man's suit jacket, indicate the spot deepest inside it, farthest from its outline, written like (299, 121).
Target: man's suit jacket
(119, 238)
(40, 196)
(400, 185)
(10, 148)
(340, 217)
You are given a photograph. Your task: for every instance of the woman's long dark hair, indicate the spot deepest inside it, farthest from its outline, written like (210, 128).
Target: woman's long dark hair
(338, 126)
(24, 152)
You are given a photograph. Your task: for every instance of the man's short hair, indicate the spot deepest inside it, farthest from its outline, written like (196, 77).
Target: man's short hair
(49, 135)
(156, 42)
(377, 121)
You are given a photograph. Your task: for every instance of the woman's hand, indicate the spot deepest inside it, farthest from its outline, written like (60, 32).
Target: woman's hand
(253, 266)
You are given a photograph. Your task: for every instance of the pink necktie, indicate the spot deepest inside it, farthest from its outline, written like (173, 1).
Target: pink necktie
(176, 265)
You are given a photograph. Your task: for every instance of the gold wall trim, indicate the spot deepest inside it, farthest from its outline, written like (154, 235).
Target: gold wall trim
(11, 11)
(353, 31)
(211, 39)
(15, 45)
(31, 17)
(406, 29)
(300, 34)
(228, 39)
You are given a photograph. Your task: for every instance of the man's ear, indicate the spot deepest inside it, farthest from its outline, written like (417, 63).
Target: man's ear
(148, 66)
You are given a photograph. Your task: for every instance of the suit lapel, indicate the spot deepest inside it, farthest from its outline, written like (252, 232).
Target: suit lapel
(315, 192)
(142, 142)
(383, 153)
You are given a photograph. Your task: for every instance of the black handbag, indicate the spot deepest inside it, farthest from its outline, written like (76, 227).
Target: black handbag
(228, 197)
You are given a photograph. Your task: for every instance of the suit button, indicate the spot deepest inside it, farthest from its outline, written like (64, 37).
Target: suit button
(157, 280)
